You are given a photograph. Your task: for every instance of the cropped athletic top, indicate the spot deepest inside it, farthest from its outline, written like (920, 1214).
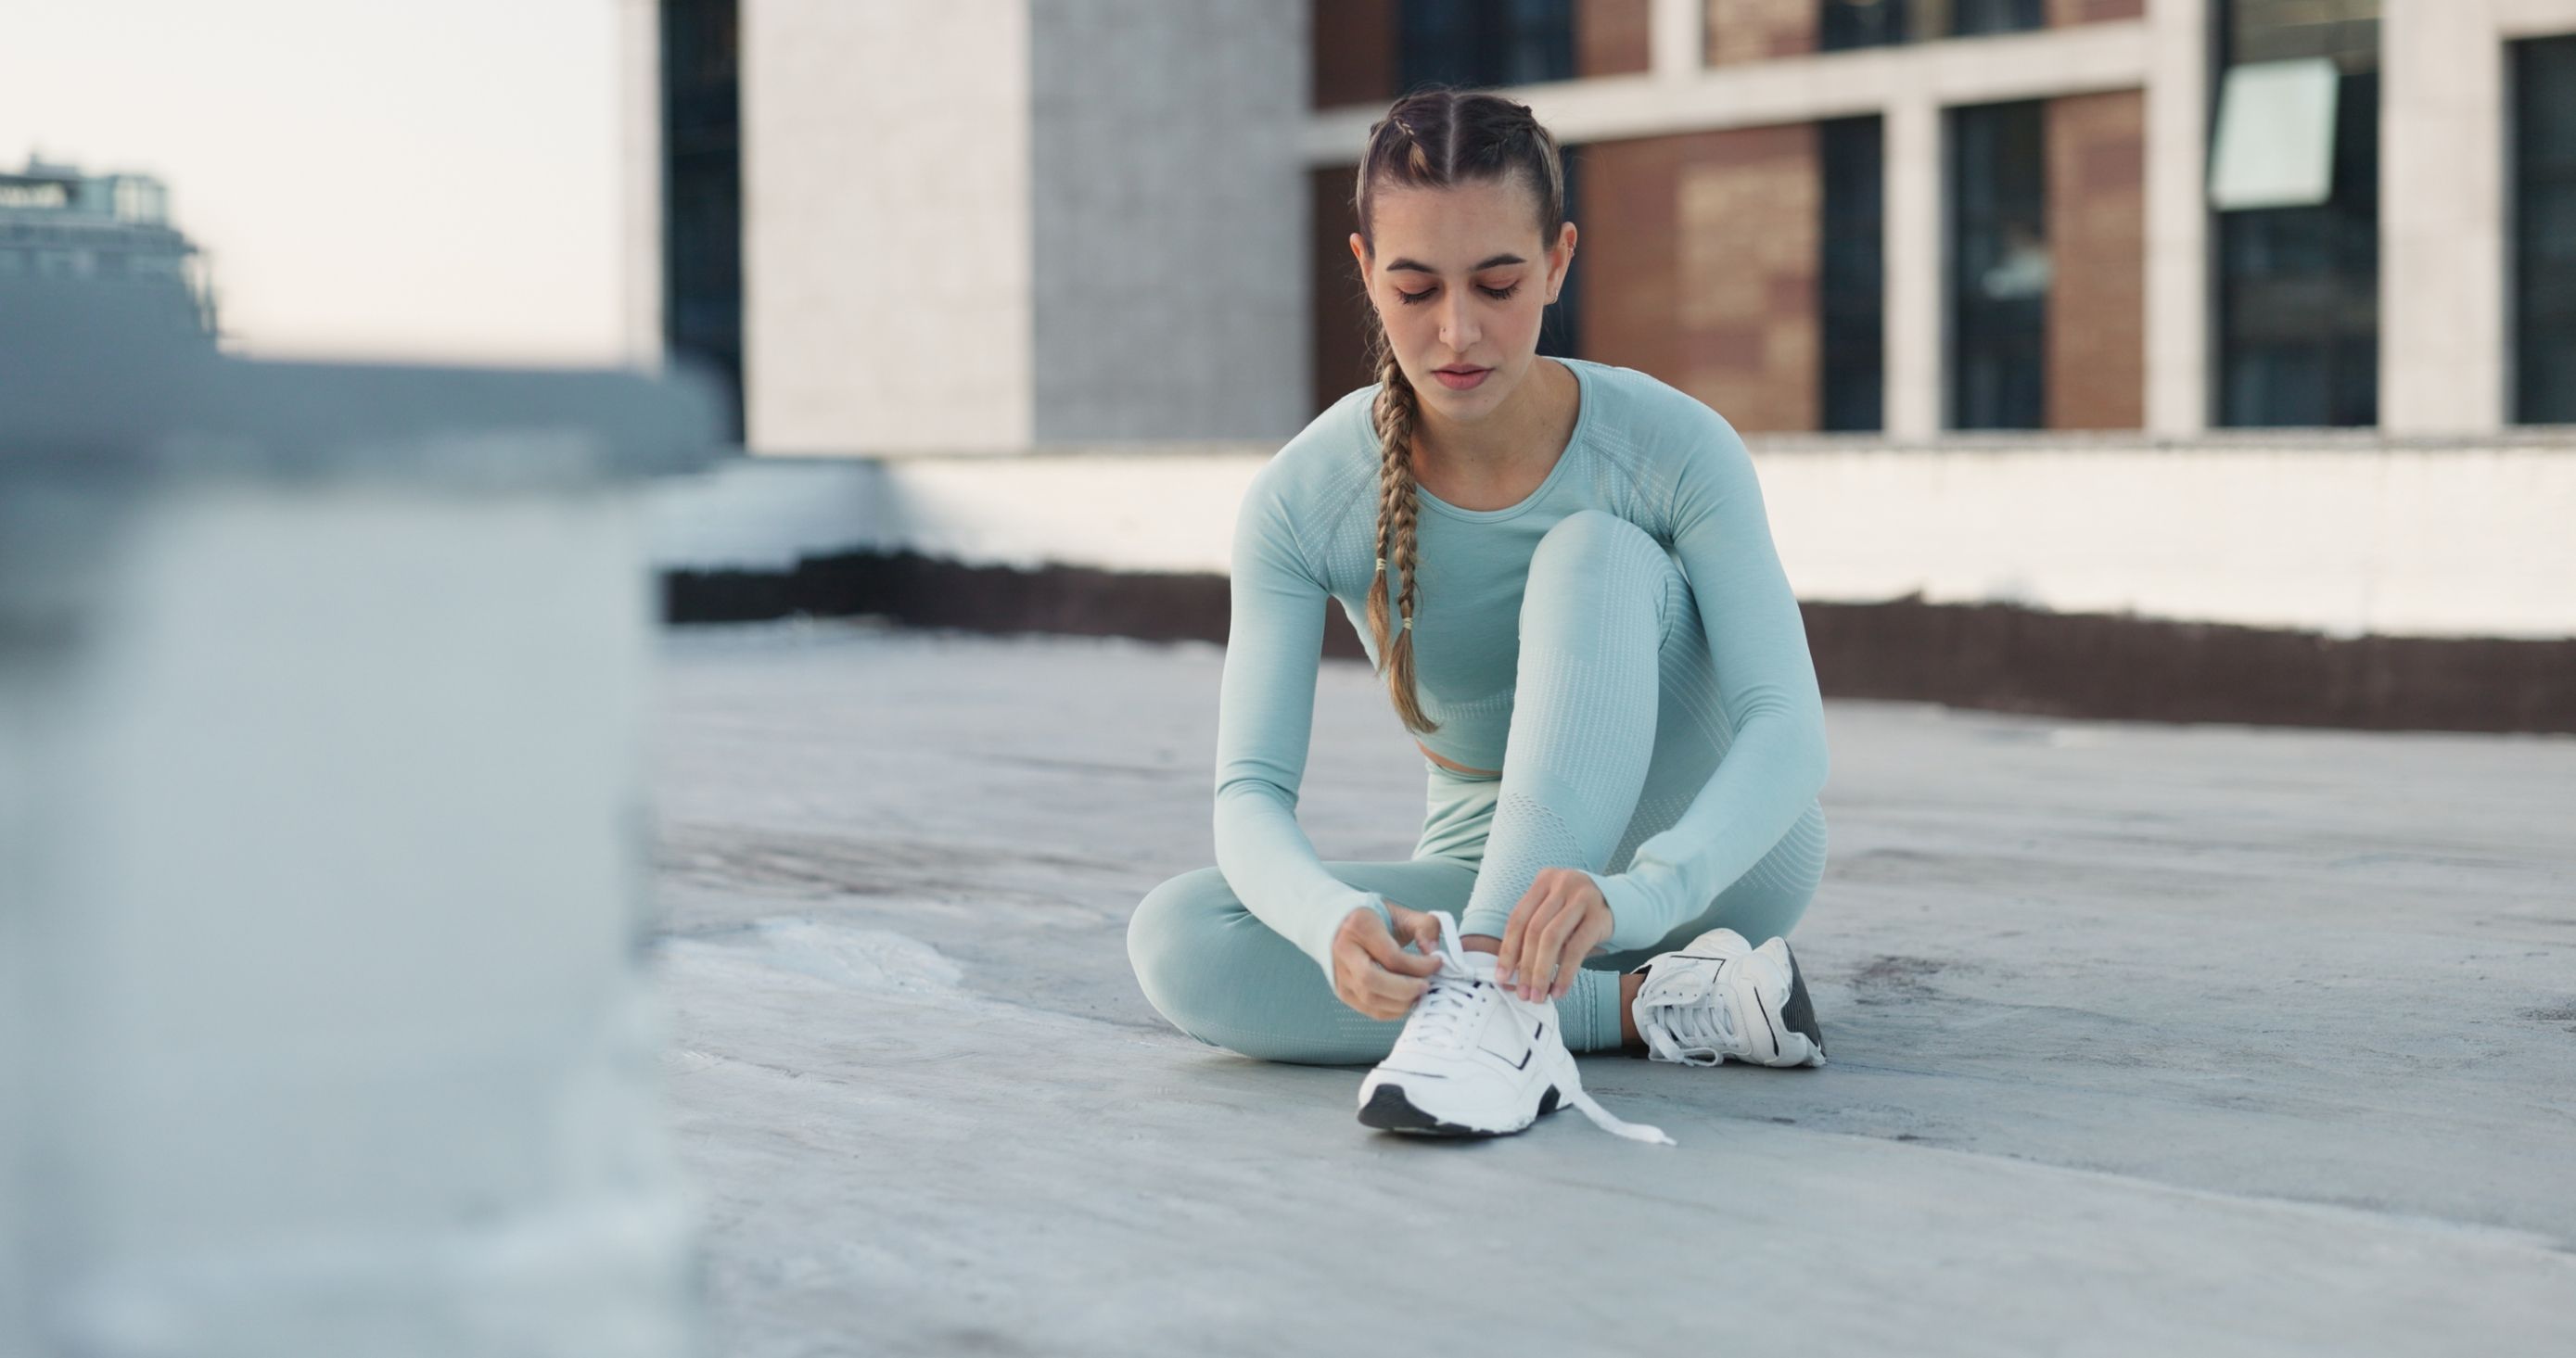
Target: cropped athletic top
(1307, 529)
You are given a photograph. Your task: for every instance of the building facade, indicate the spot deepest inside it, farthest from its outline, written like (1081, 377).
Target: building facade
(1930, 215)
(1118, 219)
(112, 230)
(2221, 349)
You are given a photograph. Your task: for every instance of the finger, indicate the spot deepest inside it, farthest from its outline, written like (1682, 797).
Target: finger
(1584, 941)
(1559, 942)
(1414, 963)
(1564, 942)
(1393, 994)
(1386, 952)
(1351, 983)
(1539, 950)
(1563, 927)
(1425, 932)
(1507, 959)
(1517, 936)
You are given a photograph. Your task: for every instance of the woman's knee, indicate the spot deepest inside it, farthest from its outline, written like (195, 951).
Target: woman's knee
(1164, 938)
(1593, 560)
(1591, 552)
(1587, 537)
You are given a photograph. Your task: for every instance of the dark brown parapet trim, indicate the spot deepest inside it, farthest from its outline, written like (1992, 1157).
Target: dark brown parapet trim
(2011, 659)
(1998, 657)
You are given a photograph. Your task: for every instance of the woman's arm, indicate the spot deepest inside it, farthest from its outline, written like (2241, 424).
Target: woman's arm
(1265, 716)
(1766, 683)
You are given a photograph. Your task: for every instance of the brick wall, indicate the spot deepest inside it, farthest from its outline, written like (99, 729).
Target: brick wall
(1703, 252)
(1354, 52)
(1612, 37)
(2097, 261)
(1758, 30)
(2064, 12)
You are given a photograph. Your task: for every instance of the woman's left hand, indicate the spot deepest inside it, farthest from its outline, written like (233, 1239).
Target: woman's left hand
(1558, 923)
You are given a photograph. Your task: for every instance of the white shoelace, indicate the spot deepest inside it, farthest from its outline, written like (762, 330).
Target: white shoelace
(1679, 1025)
(1451, 1012)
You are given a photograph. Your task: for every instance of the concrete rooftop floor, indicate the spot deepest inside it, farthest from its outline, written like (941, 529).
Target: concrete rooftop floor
(2145, 1038)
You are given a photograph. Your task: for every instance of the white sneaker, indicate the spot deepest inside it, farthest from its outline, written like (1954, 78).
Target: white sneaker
(1476, 1060)
(1723, 997)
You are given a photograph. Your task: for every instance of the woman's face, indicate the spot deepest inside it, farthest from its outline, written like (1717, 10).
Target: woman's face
(1461, 277)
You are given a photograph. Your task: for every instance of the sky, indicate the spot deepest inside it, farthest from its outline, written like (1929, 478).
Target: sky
(424, 180)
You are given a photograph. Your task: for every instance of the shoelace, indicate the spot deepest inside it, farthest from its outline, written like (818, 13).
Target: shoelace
(1452, 1010)
(1678, 1026)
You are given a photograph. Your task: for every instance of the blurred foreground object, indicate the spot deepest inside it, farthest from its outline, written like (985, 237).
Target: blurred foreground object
(322, 1024)
(108, 230)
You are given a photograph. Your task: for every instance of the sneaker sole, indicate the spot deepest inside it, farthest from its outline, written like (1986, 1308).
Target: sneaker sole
(1389, 1111)
(1799, 1014)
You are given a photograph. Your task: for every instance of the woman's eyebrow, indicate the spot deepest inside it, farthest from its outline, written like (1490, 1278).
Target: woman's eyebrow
(1417, 266)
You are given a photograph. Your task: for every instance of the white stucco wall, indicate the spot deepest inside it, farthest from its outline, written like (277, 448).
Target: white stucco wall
(1169, 227)
(2346, 535)
(887, 274)
(2444, 266)
(639, 180)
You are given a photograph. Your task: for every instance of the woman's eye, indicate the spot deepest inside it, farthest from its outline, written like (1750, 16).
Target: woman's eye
(1498, 294)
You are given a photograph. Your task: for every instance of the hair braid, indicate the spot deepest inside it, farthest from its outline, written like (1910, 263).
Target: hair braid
(1395, 413)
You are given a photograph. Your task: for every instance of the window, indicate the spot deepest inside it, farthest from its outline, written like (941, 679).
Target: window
(1842, 24)
(1971, 17)
(1999, 270)
(2298, 284)
(1484, 43)
(2544, 231)
(702, 190)
(1850, 282)
(2275, 141)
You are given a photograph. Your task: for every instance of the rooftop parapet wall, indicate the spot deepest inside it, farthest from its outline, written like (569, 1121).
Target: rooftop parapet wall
(2343, 534)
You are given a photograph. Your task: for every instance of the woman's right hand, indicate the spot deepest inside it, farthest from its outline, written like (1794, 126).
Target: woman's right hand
(1371, 971)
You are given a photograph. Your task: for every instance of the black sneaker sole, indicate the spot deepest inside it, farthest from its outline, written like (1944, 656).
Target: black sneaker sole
(1800, 1012)
(1389, 1111)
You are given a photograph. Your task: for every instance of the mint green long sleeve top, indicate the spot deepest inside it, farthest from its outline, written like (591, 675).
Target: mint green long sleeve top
(1306, 532)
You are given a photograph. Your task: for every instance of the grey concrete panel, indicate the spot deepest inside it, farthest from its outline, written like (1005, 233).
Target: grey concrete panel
(2144, 1037)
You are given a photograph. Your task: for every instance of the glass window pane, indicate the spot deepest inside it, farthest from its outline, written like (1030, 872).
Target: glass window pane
(1842, 24)
(1970, 17)
(702, 189)
(1851, 283)
(1999, 266)
(2298, 286)
(1485, 43)
(2275, 142)
(2544, 231)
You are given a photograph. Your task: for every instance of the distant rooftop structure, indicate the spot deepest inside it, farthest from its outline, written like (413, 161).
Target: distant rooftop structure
(57, 222)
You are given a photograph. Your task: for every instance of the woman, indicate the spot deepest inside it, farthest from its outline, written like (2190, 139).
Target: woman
(1563, 570)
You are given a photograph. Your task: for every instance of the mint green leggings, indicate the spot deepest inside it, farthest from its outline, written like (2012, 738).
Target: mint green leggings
(1221, 975)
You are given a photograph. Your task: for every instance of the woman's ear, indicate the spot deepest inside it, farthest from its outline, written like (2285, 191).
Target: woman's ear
(1560, 260)
(1359, 251)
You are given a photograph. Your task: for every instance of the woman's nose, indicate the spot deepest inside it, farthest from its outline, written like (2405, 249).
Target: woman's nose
(1457, 323)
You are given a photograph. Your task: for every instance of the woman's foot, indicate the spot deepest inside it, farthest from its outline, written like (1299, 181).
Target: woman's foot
(1722, 997)
(1476, 1060)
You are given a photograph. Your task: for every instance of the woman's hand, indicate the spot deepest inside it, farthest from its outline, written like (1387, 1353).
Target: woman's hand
(1560, 921)
(1371, 971)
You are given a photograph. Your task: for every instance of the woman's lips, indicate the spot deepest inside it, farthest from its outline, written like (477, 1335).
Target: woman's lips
(1456, 381)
